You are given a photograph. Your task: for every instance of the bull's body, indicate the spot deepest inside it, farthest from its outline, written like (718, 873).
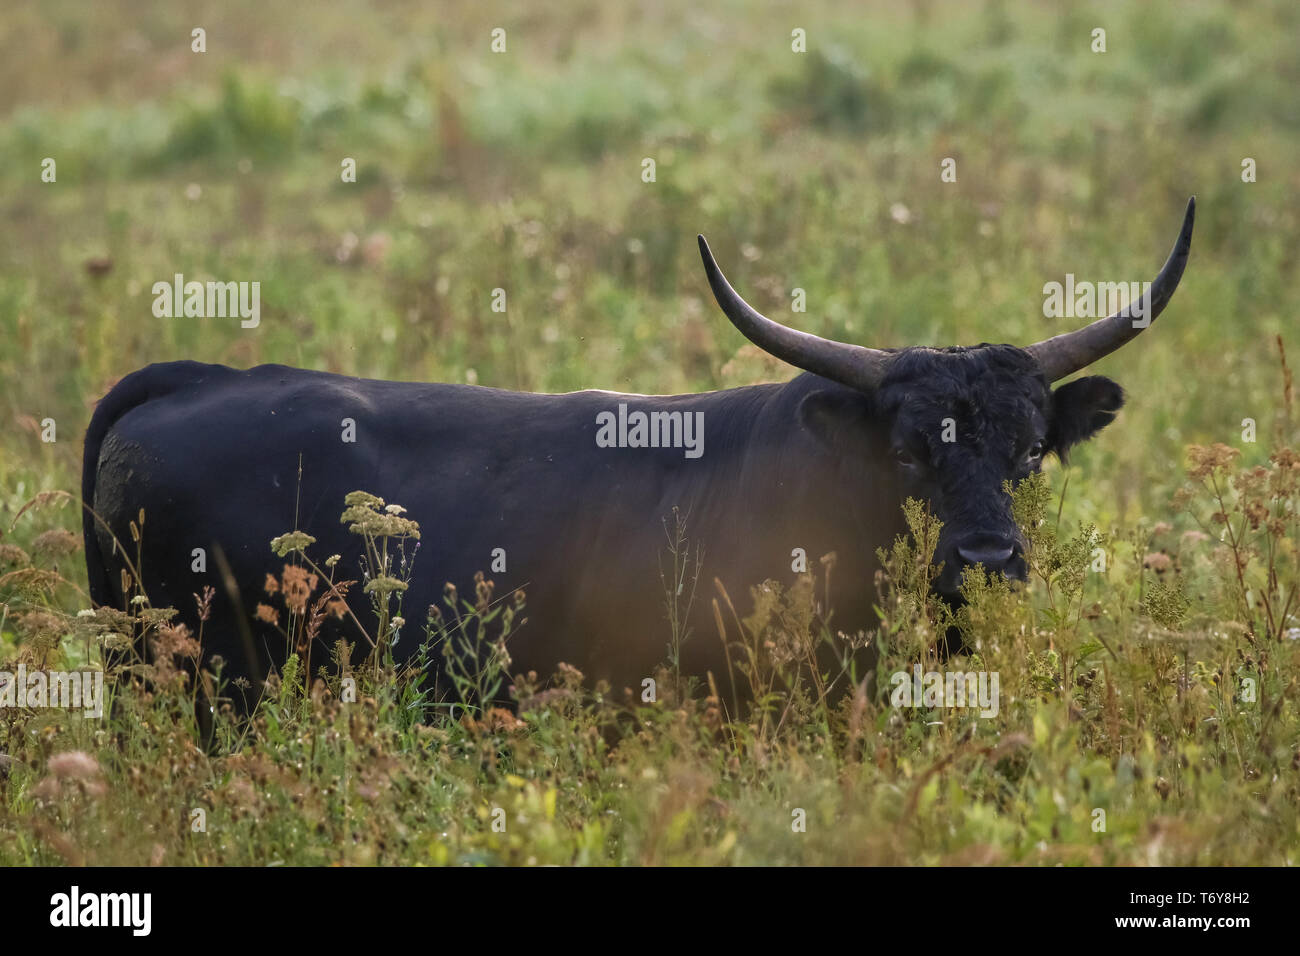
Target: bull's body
(212, 456)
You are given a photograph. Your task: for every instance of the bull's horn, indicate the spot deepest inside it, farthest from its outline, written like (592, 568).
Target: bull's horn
(1065, 354)
(852, 365)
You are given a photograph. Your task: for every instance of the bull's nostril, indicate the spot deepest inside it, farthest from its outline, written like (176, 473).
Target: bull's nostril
(991, 558)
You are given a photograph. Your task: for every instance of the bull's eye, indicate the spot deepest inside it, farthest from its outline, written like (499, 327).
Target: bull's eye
(1037, 451)
(904, 457)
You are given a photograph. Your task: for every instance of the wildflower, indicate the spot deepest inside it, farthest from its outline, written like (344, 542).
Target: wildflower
(74, 765)
(1257, 513)
(482, 591)
(500, 719)
(113, 641)
(176, 640)
(1251, 480)
(384, 584)
(363, 517)
(569, 675)
(297, 584)
(1206, 460)
(287, 544)
(1158, 562)
(1286, 458)
(56, 542)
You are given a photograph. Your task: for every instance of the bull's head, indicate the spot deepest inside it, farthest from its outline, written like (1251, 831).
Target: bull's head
(962, 421)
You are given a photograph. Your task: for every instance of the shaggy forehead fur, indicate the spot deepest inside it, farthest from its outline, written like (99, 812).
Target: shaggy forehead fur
(995, 393)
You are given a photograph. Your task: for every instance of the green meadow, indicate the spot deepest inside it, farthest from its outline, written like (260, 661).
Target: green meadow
(1150, 703)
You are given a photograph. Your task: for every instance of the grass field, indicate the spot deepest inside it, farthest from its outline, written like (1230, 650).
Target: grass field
(1161, 690)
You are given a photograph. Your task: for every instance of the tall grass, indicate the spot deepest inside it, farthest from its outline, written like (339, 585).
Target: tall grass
(1147, 713)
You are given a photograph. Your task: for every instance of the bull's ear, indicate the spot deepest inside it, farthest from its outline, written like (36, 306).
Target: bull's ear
(1082, 408)
(836, 417)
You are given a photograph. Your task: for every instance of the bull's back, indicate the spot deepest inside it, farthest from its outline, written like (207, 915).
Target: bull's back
(220, 461)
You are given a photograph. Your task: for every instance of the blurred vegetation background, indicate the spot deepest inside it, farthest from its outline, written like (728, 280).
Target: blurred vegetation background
(522, 170)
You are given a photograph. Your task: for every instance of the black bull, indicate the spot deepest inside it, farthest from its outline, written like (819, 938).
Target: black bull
(225, 460)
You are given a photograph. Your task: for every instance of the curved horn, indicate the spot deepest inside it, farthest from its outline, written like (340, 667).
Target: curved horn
(1065, 354)
(852, 365)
